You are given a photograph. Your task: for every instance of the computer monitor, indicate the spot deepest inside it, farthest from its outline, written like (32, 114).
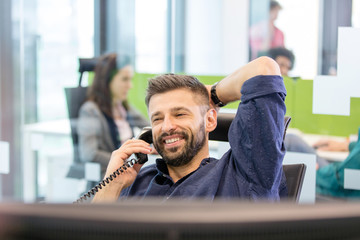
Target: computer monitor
(180, 220)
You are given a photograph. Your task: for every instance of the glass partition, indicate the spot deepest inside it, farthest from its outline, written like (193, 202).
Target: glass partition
(209, 39)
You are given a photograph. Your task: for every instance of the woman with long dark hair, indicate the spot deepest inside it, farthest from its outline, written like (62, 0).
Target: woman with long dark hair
(106, 119)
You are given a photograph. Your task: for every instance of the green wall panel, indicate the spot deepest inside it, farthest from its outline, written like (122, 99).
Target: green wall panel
(299, 107)
(138, 91)
(298, 103)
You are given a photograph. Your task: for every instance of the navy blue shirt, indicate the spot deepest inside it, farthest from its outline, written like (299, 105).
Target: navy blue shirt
(251, 169)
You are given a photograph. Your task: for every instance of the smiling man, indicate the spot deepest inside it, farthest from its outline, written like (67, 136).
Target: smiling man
(182, 114)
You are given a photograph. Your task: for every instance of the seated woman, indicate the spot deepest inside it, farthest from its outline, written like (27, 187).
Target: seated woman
(106, 119)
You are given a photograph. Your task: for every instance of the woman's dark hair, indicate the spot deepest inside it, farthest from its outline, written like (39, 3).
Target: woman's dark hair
(99, 91)
(168, 82)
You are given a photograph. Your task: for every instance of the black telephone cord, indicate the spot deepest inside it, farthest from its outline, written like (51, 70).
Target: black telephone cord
(107, 180)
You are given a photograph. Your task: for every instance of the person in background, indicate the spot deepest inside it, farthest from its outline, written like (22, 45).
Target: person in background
(330, 178)
(265, 35)
(106, 120)
(284, 57)
(334, 145)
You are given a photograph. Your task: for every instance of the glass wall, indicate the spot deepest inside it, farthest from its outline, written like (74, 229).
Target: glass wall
(48, 37)
(200, 37)
(151, 35)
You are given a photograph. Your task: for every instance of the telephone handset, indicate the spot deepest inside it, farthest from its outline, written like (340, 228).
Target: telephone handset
(146, 135)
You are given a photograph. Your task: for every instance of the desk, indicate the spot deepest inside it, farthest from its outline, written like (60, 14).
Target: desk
(35, 136)
(311, 139)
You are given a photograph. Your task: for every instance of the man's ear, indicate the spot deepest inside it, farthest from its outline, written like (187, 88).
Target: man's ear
(211, 120)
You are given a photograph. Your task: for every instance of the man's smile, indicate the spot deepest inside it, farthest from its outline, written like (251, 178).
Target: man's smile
(172, 141)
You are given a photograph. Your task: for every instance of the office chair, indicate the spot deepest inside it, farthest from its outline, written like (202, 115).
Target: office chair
(294, 173)
(75, 97)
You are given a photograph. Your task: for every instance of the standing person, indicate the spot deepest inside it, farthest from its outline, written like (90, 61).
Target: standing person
(265, 34)
(182, 116)
(106, 120)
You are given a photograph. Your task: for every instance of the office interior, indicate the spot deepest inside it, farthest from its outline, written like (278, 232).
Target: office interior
(41, 42)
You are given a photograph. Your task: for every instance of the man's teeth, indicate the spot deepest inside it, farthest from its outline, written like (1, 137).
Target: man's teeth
(172, 140)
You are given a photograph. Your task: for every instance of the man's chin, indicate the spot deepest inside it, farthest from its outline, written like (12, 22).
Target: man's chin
(170, 150)
(171, 155)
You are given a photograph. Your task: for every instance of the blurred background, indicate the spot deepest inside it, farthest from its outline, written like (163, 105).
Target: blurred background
(42, 40)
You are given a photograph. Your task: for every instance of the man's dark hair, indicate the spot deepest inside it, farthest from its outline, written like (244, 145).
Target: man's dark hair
(281, 51)
(168, 82)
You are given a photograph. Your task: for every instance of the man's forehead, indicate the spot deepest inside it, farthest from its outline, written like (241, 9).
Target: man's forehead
(184, 93)
(172, 100)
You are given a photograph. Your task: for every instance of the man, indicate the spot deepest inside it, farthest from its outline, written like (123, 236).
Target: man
(284, 57)
(182, 116)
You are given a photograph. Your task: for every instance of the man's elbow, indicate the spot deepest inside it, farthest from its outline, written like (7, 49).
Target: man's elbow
(267, 66)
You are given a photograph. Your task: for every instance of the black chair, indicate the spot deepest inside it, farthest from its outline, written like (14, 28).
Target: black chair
(75, 97)
(294, 173)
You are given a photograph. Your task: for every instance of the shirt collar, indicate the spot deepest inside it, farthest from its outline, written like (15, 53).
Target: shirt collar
(163, 170)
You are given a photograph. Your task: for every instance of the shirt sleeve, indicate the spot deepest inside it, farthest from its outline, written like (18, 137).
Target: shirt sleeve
(256, 134)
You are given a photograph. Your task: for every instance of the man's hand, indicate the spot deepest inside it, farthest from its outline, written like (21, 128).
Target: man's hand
(112, 191)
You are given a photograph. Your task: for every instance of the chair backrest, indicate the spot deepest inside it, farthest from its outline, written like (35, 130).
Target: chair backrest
(75, 97)
(294, 173)
(221, 131)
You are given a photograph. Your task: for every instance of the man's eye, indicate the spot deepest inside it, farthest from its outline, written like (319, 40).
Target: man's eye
(156, 119)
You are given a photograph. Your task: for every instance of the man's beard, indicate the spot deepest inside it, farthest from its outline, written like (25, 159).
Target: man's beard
(192, 147)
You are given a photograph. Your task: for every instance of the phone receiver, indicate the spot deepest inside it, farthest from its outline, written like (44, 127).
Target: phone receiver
(146, 135)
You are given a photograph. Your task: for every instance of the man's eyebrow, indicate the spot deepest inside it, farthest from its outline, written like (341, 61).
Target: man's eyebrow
(174, 109)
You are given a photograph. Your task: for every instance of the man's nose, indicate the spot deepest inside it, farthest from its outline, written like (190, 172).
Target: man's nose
(168, 124)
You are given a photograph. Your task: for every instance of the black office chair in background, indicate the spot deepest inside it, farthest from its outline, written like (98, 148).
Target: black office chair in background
(75, 97)
(294, 173)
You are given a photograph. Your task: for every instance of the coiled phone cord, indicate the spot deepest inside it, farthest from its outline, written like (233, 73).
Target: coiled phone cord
(107, 180)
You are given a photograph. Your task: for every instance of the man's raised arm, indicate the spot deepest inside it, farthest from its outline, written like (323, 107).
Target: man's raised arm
(229, 88)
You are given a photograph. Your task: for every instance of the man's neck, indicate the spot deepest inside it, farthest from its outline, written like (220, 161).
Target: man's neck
(176, 173)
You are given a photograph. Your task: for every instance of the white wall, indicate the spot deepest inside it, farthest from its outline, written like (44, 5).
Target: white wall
(216, 36)
(299, 20)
